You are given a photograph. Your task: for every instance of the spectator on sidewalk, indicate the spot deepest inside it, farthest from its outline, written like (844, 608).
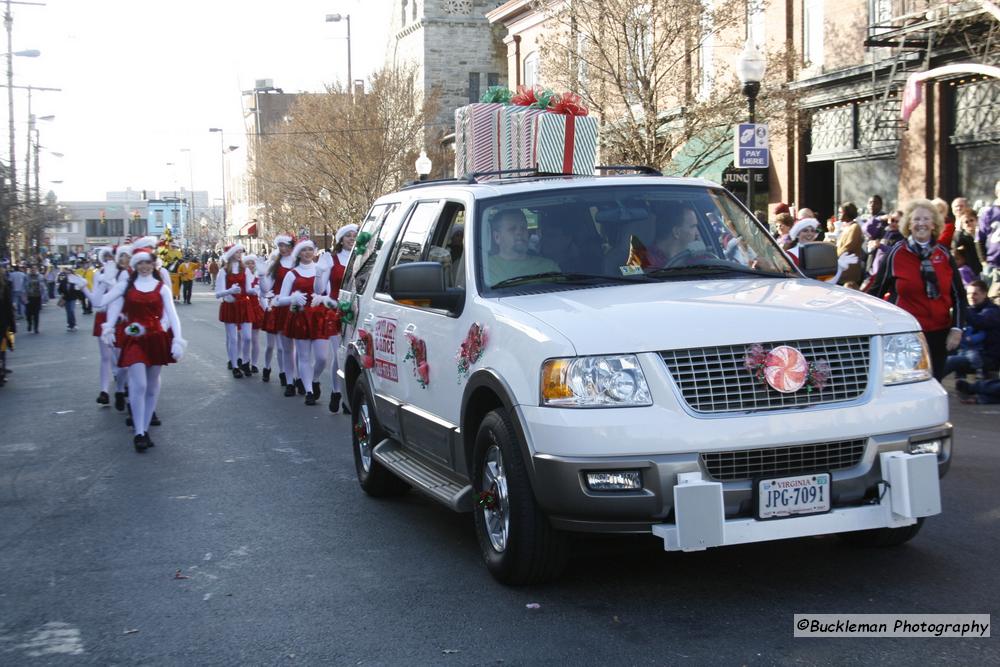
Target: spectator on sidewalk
(51, 273)
(874, 220)
(948, 233)
(983, 392)
(17, 278)
(988, 243)
(850, 241)
(8, 323)
(979, 351)
(213, 270)
(68, 296)
(186, 272)
(34, 291)
(964, 243)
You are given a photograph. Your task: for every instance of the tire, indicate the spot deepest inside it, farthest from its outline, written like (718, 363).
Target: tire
(375, 479)
(883, 537)
(517, 542)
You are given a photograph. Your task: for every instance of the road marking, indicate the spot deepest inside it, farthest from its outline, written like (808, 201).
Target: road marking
(53, 638)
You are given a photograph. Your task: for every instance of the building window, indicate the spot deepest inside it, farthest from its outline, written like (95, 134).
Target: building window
(492, 79)
(473, 87)
(531, 69)
(706, 61)
(812, 33)
(414, 10)
(116, 227)
(159, 219)
(402, 12)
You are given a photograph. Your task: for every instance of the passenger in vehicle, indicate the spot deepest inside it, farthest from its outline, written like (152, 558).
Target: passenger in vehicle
(510, 258)
(676, 232)
(573, 243)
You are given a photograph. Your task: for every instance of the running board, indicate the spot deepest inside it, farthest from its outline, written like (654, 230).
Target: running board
(427, 479)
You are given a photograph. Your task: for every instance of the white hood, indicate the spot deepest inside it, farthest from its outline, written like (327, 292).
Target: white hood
(684, 314)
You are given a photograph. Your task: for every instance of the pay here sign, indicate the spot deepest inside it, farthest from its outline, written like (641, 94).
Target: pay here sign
(751, 146)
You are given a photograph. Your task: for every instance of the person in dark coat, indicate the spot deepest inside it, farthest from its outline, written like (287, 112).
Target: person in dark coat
(8, 323)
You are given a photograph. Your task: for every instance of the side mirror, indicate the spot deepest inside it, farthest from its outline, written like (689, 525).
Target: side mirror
(423, 284)
(818, 260)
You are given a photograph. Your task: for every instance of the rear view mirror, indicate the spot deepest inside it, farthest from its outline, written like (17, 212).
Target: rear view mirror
(818, 260)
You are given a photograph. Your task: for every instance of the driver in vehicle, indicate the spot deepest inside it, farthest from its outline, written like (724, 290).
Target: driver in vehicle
(676, 231)
(509, 230)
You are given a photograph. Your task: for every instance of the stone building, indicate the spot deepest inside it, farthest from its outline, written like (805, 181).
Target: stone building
(454, 47)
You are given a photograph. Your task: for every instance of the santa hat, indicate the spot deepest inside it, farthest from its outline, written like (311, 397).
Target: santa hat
(122, 250)
(302, 245)
(229, 251)
(145, 242)
(803, 224)
(99, 253)
(345, 230)
(140, 256)
(283, 238)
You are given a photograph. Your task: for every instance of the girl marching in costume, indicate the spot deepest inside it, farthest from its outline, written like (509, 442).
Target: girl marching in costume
(277, 272)
(255, 267)
(346, 237)
(307, 318)
(267, 323)
(233, 286)
(104, 281)
(144, 302)
(149, 243)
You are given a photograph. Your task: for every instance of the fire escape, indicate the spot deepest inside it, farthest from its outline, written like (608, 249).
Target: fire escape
(906, 36)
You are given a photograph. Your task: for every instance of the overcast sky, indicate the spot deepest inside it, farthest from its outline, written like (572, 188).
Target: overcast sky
(142, 79)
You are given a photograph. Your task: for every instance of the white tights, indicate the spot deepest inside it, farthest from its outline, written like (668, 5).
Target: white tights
(107, 358)
(143, 390)
(311, 356)
(254, 346)
(272, 340)
(121, 374)
(334, 366)
(286, 352)
(238, 342)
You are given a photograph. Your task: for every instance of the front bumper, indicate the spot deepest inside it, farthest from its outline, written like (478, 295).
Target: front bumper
(561, 490)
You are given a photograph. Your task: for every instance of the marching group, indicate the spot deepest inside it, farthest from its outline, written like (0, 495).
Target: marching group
(292, 298)
(939, 263)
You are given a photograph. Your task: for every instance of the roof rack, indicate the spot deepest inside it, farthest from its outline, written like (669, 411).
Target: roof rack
(474, 177)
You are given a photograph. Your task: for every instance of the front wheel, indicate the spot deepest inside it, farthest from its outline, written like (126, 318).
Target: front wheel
(374, 478)
(883, 537)
(517, 541)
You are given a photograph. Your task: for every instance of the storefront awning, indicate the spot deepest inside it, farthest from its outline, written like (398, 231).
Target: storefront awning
(249, 229)
(702, 159)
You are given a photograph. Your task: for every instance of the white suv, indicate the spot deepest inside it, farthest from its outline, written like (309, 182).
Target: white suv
(629, 354)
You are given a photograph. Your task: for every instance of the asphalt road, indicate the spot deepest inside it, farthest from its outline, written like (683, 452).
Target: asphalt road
(243, 538)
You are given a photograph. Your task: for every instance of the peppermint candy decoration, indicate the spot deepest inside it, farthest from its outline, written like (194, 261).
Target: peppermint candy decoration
(785, 369)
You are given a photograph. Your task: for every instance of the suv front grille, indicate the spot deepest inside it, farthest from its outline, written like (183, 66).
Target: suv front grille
(714, 379)
(780, 461)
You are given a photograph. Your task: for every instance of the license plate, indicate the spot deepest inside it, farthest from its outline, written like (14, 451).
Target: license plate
(782, 497)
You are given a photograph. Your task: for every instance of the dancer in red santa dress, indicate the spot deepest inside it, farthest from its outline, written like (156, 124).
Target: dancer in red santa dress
(149, 244)
(307, 323)
(267, 323)
(277, 315)
(233, 286)
(255, 266)
(144, 303)
(104, 280)
(334, 276)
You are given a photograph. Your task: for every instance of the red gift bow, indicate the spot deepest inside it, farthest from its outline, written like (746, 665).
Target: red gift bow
(524, 97)
(568, 104)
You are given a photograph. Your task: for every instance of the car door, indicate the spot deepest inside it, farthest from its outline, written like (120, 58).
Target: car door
(427, 338)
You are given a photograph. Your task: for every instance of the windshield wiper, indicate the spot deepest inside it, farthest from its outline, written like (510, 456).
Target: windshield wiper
(572, 278)
(697, 269)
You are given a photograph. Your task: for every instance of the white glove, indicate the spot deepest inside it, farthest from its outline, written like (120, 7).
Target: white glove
(177, 348)
(76, 280)
(228, 299)
(319, 300)
(254, 291)
(108, 333)
(235, 289)
(297, 299)
(846, 260)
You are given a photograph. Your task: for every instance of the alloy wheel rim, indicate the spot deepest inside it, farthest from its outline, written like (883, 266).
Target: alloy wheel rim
(364, 437)
(496, 515)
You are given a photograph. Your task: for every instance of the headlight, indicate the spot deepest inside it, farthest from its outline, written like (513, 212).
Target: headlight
(905, 358)
(594, 382)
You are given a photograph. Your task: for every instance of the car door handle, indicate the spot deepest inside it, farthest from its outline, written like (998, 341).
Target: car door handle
(410, 329)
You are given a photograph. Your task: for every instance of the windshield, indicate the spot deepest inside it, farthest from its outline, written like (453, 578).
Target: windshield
(605, 235)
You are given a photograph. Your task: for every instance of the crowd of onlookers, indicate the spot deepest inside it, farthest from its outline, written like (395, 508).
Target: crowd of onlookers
(938, 261)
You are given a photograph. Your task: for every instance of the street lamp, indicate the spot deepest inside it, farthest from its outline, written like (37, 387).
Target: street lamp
(222, 157)
(335, 18)
(750, 68)
(190, 218)
(423, 165)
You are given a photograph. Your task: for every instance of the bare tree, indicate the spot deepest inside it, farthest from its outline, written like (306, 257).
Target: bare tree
(638, 64)
(336, 154)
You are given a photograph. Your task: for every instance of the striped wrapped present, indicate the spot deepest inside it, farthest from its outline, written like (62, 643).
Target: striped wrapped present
(477, 129)
(563, 144)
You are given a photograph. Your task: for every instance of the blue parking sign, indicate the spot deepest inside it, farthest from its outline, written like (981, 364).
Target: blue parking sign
(751, 146)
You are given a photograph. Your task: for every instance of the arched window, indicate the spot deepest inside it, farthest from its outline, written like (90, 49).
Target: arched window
(531, 69)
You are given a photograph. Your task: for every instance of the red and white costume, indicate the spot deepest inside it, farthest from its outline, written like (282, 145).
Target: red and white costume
(276, 314)
(331, 281)
(306, 324)
(233, 285)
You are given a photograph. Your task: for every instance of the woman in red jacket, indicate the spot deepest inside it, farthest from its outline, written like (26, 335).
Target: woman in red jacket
(920, 276)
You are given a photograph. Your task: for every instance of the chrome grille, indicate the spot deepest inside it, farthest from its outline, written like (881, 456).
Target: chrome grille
(779, 461)
(714, 379)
